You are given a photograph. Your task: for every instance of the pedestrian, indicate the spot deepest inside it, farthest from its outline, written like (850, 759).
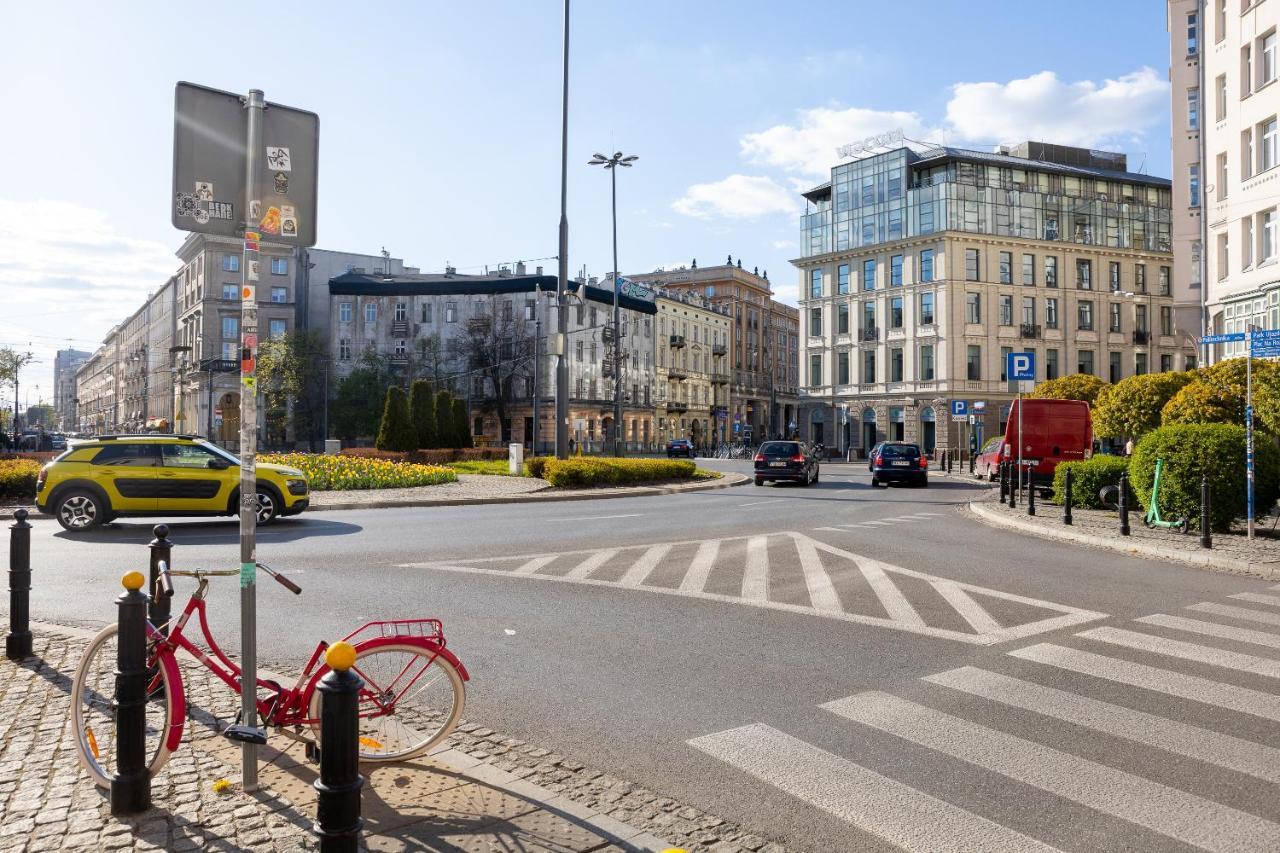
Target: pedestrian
(46, 441)
(1128, 447)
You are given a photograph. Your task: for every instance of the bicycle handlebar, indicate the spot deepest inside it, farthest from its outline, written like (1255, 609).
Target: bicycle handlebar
(164, 583)
(281, 579)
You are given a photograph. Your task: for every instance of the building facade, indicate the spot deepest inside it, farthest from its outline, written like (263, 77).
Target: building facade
(1187, 116)
(922, 269)
(96, 391)
(145, 370)
(763, 353)
(1224, 64)
(692, 368)
(65, 365)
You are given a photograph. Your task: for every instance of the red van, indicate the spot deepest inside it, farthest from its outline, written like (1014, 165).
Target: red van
(1053, 431)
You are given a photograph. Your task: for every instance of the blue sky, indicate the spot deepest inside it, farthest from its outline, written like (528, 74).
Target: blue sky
(440, 124)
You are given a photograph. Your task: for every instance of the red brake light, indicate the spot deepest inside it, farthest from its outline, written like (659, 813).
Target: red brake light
(799, 457)
(759, 457)
(924, 462)
(879, 460)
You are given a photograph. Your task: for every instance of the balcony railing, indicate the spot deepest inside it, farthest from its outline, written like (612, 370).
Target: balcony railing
(399, 358)
(719, 349)
(1141, 336)
(677, 406)
(719, 379)
(871, 334)
(677, 373)
(400, 328)
(1029, 330)
(677, 341)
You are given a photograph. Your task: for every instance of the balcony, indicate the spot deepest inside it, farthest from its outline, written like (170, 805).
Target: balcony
(400, 328)
(1029, 330)
(719, 349)
(719, 378)
(871, 334)
(677, 373)
(677, 406)
(677, 341)
(479, 324)
(399, 358)
(1141, 336)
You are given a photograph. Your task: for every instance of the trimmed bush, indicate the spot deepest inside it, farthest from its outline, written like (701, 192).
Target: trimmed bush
(1132, 406)
(422, 410)
(584, 471)
(1073, 386)
(341, 473)
(396, 431)
(536, 465)
(444, 420)
(1087, 479)
(18, 478)
(1216, 450)
(461, 428)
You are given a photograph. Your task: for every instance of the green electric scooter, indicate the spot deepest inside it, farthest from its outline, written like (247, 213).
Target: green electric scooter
(1153, 518)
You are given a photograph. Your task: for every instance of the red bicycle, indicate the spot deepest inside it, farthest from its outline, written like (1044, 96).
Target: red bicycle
(414, 687)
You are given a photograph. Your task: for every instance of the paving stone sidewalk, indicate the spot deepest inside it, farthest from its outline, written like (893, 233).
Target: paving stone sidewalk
(1231, 552)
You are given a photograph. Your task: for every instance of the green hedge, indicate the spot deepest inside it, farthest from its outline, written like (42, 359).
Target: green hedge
(536, 465)
(595, 471)
(1216, 450)
(1087, 479)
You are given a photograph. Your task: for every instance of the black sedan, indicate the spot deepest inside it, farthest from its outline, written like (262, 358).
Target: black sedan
(786, 460)
(898, 462)
(679, 447)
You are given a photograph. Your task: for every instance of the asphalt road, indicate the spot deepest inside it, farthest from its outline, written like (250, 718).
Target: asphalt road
(836, 668)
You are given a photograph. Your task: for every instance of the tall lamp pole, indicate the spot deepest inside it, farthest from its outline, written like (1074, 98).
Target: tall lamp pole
(612, 164)
(562, 279)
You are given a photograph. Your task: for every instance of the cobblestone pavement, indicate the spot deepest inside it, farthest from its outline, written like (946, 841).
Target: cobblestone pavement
(449, 802)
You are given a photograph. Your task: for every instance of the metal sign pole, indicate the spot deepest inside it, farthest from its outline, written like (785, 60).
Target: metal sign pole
(1019, 438)
(1248, 424)
(249, 446)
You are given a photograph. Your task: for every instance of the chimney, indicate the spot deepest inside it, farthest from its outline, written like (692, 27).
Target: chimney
(539, 269)
(520, 269)
(448, 270)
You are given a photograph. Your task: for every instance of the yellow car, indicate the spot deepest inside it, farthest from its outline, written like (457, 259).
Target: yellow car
(102, 478)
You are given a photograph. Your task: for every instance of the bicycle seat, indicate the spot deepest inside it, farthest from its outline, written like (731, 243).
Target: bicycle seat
(245, 734)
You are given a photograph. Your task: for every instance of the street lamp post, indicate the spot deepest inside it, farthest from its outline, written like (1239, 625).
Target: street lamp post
(612, 164)
(562, 278)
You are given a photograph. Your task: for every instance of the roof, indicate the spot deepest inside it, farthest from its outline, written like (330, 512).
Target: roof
(451, 284)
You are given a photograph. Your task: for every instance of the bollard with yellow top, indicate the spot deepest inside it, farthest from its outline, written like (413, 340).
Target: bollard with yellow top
(338, 820)
(131, 783)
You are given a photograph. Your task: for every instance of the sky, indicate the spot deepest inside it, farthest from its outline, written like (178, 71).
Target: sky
(440, 125)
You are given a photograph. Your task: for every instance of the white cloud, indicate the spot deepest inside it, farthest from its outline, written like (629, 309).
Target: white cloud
(737, 197)
(1044, 108)
(784, 244)
(809, 147)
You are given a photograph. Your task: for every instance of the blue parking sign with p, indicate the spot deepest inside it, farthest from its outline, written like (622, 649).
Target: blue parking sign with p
(959, 407)
(1021, 366)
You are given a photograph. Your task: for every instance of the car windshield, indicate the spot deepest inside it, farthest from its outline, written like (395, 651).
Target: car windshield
(900, 451)
(780, 448)
(225, 454)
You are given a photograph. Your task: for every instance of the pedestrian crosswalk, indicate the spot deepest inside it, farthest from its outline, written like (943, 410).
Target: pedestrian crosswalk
(793, 572)
(1146, 731)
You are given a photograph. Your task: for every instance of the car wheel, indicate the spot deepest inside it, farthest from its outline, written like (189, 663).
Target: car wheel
(875, 482)
(268, 506)
(816, 472)
(759, 481)
(80, 510)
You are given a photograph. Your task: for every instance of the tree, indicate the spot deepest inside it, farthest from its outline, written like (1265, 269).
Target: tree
(11, 364)
(499, 351)
(293, 373)
(430, 360)
(461, 429)
(1132, 406)
(396, 431)
(1217, 395)
(444, 420)
(1074, 386)
(360, 397)
(422, 409)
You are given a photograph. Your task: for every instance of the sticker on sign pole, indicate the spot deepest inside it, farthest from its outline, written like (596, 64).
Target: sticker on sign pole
(248, 571)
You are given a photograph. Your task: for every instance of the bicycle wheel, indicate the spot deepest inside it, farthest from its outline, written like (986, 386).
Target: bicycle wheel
(94, 718)
(411, 699)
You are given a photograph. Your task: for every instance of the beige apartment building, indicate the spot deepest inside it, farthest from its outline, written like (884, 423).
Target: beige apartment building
(1224, 65)
(923, 267)
(692, 345)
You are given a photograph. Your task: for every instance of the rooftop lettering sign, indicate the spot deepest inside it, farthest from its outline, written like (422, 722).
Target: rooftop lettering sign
(890, 139)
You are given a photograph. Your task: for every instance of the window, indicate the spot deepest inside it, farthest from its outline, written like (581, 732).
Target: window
(1166, 320)
(401, 347)
(371, 312)
(842, 318)
(895, 271)
(926, 266)
(869, 366)
(1246, 154)
(344, 349)
(531, 308)
(926, 363)
(869, 274)
(926, 308)
(230, 291)
(1084, 315)
(1193, 108)
(1166, 363)
(973, 366)
(1220, 191)
(133, 455)
(1051, 313)
(815, 322)
(1006, 310)
(344, 312)
(971, 264)
(1114, 275)
(579, 348)
(1220, 107)
(230, 351)
(1270, 237)
(815, 284)
(895, 312)
(1029, 310)
(1139, 363)
(842, 279)
(428, 314)
(1224, 255)
(1084, 274)
(451, 312)
(869, 317)
(1051, 364)
(1084, 361)
(973, 308)
(1029, 270)
(1050, 271)
(1246, 242)
(231, 263)
(508, 313)
(1220, 30)
(815, 370)
(1267, 154)
(1006, 267)
(279, 266)
(1193, 184)
(279, 294)
(895, 364)
(1115, 371)
(1005, 352)
(842, 368)
(1193, 33)
(1115, 317)
(1269, 57)
(230, 329)
(1140, 277)
(276, 328)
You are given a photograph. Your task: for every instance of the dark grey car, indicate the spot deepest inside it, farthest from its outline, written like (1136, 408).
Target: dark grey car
(788, 461)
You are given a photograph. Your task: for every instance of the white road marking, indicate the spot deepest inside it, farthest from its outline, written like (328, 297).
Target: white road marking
(755, 576)
(972, 612)
(884, 807)
(1187, 651)
(1213, 629)
(1257, 598)
(643, 567)
(758, 503)
(591, 563)
(821, 591)
(533, 565)
(696, 578)
(1233, 753)
(878, 523)
(830, 529)
(598, 517)
(1193, 687)
(1236, 612)
(1177, 814)
(891, 598)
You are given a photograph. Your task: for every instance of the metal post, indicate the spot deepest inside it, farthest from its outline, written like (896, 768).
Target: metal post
(1031, 496)
(338, 821)
(249, 453)
(1015, 478)
(1067, 479)
(1004, 482)
(1248, 426)
(161, 552)
(562, 280)
(537, 369)
(131, 784)
(617, 324)
(1206, 532)
(17, 645)
(1124, 505)
(1021, 443)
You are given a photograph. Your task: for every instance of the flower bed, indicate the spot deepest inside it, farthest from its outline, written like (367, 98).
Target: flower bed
(18, 478)
(341, 473)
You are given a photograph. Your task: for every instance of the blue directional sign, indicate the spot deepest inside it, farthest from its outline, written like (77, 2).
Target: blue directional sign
(959, 408)
(1021, 366)
(1228, 338)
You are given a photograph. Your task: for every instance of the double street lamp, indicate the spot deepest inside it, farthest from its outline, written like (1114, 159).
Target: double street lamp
(612, 164)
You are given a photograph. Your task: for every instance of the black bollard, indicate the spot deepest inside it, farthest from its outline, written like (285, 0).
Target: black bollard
(131, 784)
(951, 461)
(971, 462)
(1206, 532)
(1031, 496)
(1066, 495)
(1015, 483)
(17, 645)
(1124, 505)
(338, 820)
(161, 552)
(1004, 482)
